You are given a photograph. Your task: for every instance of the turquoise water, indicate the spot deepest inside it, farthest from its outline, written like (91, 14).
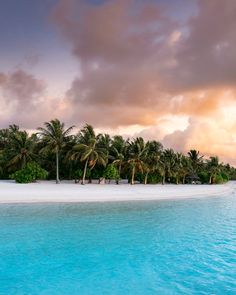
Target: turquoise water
(140, 248)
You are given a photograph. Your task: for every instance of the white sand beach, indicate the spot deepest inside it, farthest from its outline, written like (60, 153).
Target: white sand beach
(48, 191)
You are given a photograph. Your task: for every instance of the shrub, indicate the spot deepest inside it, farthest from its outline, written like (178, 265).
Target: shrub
(154, 178)
(221, 178)
(204, 177)
(111, 172)
(30, 173)
(225, 176)
(218, 179)
(97, 172)
(78, 174)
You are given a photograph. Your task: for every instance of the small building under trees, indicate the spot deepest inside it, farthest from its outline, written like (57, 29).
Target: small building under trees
(192, 178)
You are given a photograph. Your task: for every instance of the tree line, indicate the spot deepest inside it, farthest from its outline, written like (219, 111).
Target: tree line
(54, 153)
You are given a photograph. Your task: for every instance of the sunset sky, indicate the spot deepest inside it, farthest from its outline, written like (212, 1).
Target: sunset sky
(161, 69)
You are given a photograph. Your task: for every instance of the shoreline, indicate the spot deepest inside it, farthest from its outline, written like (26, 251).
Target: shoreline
(69, 192)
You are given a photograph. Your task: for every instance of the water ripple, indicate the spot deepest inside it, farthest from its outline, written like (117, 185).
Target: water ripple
(146, 248)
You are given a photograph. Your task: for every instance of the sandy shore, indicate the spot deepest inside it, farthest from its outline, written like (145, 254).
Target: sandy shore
(48, 191)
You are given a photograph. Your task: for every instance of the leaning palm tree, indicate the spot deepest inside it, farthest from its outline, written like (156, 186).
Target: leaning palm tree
(181, 167)
(88, 151)
(184, 168)
(213, 168)
(118, 152)
(54, 136)
(136, 153)
(151, 157)
(118, 160)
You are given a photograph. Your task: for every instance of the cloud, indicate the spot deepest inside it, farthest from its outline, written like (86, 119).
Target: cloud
(142, 66)
(212, 136)
(120, 47)
(204, 102)
(206, 56)
(138, 63)
(112, 31)
(23, 100)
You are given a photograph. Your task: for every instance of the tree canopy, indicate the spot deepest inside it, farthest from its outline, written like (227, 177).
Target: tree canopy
(88, 156)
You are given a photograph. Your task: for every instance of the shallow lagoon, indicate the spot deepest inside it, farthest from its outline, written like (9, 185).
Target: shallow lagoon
(146, 248)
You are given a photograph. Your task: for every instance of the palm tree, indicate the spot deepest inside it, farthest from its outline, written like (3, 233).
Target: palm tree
(184, 168)
(104, 141)
(21, 149)
(177, 166)
(136, 153)
(4, 138)
(151, 157)
(2, 162)
(169, 159)
(162, 170)
(213, 168)
(88, 151)
(118, 151)
(195, 160)
(54, 136)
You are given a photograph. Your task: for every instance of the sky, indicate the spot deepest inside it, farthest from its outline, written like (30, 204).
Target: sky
(161, 69)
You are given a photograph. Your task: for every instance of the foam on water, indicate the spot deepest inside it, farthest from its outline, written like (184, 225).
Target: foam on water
(146, 248)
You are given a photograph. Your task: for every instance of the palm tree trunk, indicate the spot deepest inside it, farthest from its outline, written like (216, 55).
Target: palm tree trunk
(23, 163)
(117, 181)
(177, 180)
(163, 179)
(145, 179)
(210, 180)
(133, 173)
(85, 170)
(57, 167)
(70, 170)
(184, 180)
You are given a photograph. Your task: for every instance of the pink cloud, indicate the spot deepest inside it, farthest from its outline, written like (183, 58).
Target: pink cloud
(206, 57)
(139, 65)
(23, 100)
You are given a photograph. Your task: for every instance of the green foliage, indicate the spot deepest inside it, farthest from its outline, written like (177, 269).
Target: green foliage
(54, 138)
(78, 174)
(225, 176)
(154, 178)
(220, 178)
(90, 156)
(233, 174)
(96, 173)
(88, 173)
(30, 173)
(111, 172)
(204, 177)
(88, 150)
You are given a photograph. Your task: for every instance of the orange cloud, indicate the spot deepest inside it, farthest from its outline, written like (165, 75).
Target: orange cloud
(211, 136)
(203, 102)
(139, 66)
